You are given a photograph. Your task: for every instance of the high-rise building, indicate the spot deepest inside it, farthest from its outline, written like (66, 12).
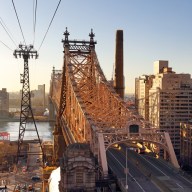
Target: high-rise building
(170, 101)
(142, 86)
(39, 100)
(4, 103)
(39, 94)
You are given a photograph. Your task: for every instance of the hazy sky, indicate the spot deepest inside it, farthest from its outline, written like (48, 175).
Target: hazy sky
(153, 30)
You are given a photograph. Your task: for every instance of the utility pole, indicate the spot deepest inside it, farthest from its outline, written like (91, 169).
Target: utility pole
(26, 52)
(126, 171)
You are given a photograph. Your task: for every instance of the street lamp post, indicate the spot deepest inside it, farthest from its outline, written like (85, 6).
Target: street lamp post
(126, 172)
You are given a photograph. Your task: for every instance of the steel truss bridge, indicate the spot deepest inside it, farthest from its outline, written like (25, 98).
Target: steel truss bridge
(90, 111)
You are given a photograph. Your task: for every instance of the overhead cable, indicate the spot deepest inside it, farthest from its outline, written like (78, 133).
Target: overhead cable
(6, 30)
(34, 19)
(18, 21)
(49, 25)
(6, 46)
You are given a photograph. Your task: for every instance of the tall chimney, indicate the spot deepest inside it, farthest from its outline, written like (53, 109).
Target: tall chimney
(119, 77)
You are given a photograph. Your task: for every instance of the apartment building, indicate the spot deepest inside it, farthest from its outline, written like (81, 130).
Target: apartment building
(170, 101)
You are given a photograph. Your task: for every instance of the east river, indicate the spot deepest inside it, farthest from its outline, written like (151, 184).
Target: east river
(44, 129)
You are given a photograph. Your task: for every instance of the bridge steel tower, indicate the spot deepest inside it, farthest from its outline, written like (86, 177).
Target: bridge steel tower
(60, 139)
(74, 52)
(26, 52)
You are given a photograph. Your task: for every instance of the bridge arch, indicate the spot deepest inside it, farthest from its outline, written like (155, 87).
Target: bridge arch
(163, 146)
(161, 138)
(127, 141)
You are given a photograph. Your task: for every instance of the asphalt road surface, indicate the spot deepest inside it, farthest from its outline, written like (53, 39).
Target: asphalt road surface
(146, 173)
(136, 180)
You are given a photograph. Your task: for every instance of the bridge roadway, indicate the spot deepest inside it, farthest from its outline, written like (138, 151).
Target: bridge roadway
(146, 173)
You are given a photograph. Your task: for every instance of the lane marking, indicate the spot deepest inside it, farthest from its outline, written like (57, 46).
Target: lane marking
(179, 185)
(153, 165)
(128, 172)
(170, 169)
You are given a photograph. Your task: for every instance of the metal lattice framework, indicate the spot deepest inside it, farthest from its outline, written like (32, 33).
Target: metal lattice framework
(89, 108)
(26, 52)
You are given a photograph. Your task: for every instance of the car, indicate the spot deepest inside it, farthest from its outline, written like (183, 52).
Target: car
(37, 160)
(35, 178)
(17, 188)
(24, 186)
(30, 187)
(24, 169)
(47, 164)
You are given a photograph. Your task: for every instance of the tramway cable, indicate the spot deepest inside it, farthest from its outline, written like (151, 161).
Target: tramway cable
(34, 19)
(6, 30)
(49, 25)
(18, 21)
(6, 46)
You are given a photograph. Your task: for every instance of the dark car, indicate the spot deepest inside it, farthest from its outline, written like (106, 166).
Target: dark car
(24, 186)
(17, 188)
(37, 160)
(30, 187)
(36, 178)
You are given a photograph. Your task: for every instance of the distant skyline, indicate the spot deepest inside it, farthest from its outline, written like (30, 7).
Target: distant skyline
(153, 30)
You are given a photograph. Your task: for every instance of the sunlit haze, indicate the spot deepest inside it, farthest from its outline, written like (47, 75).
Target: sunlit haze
(153, 30)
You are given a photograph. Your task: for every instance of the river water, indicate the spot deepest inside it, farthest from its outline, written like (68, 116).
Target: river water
(44, 129)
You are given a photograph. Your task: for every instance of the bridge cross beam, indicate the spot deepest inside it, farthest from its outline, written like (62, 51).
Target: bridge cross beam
(105, 140)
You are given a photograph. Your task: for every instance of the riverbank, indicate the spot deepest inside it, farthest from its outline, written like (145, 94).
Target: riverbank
(37, 119)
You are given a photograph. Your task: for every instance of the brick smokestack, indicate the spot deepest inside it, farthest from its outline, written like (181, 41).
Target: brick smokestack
(119, 77)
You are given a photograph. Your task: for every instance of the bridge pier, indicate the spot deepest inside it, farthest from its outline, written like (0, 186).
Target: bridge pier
(102, 155)
(59, 146)
(59, 143)
(52, 116)
(171, 152)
